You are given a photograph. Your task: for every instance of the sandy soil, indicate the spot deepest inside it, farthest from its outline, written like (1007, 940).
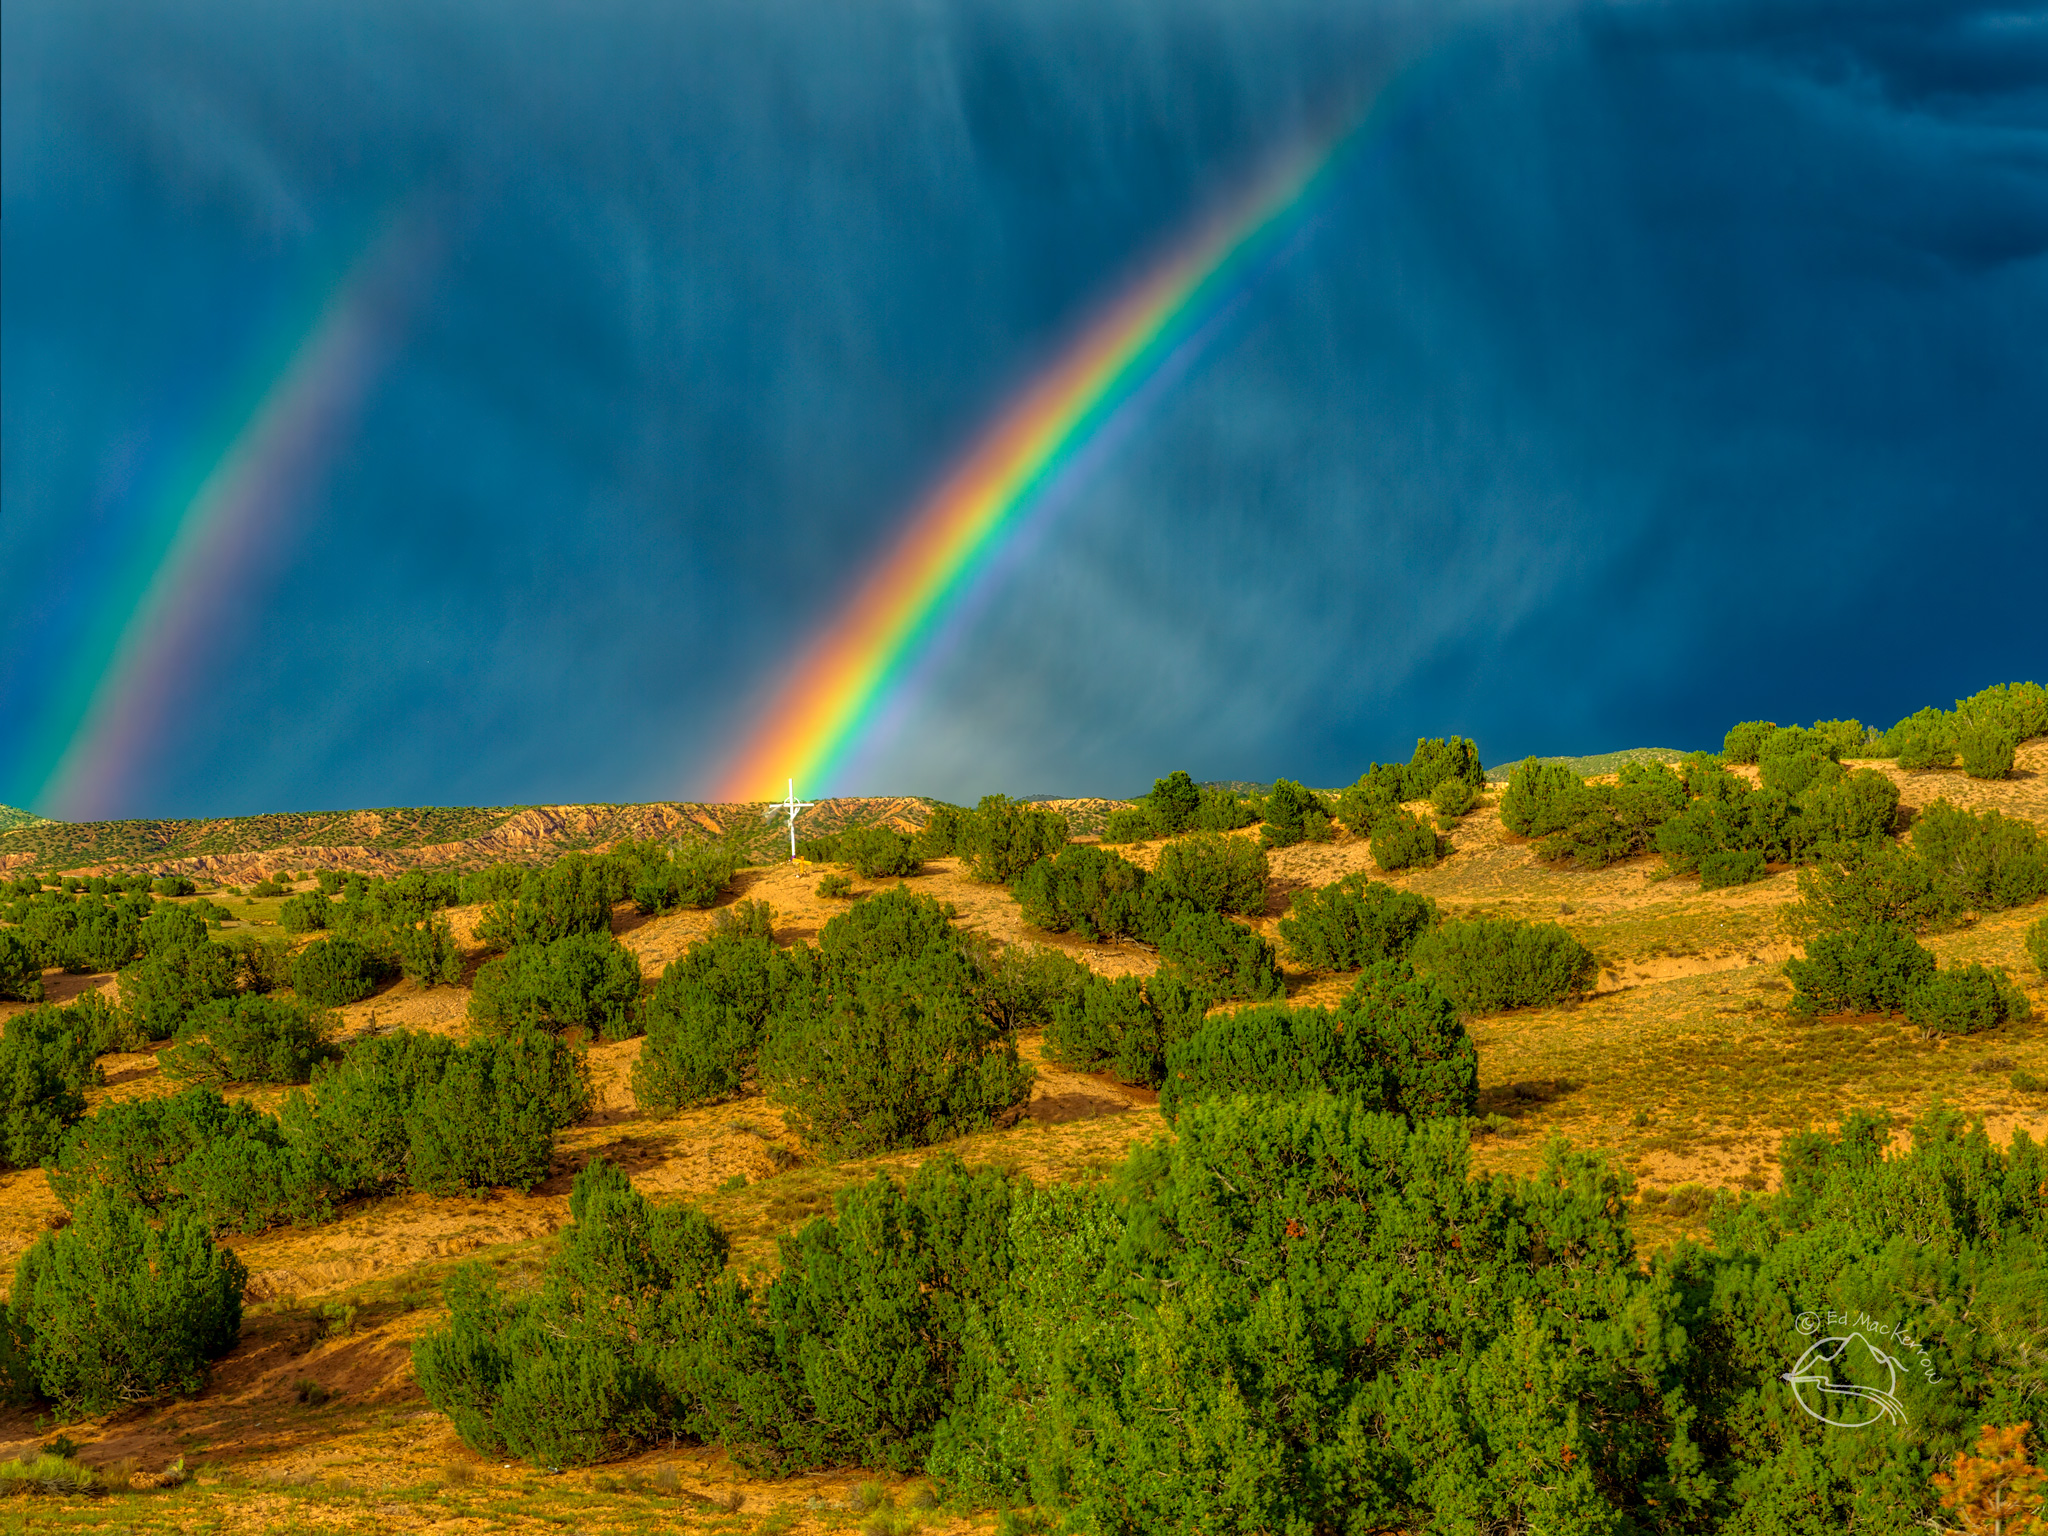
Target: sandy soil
(1685, 1063)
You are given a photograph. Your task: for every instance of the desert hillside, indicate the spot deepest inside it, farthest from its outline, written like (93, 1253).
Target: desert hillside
(1683, 1060)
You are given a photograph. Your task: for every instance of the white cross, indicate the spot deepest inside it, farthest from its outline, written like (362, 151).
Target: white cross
(792, 805)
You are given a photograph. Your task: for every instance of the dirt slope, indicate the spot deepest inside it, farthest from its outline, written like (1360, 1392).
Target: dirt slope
(1685, 1064)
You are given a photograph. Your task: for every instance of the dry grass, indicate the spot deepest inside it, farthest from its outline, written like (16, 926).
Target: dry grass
(1685, 1063)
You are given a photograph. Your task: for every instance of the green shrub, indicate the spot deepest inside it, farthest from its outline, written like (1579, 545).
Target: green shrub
(1797, 741)
(1089, 891)
(227, 1165)
(490, 1120)
(1926, 739)
(1452, 798)
(1703, 774)
(1222, 810)
(160, 992)
(1841, 738)
(248, 1039)
(1022, 984)
(498, 882)
(1849, 817)
(1353, 922)
(1089, 1027)
(1438, 760)
(1887, 885)
(170, 927)
(893, 924)
(101, 1024)
(1129, 824)
(1000, 839)
(1293, 814)
(706, 1014)
(360, 1111)
(835, 887)
(1991, 861)
(1126, 1026)
(120, 1311)
(263, 962)
(107, 935)
(1600, 824)
(1173, 803)
(1395, 1045)
(1411, 1024)
(1871, 969)
(638, 1332)
(1491, 964)
(573, 895)
(1380, 789)
(1964, 1000)
(304, 913)
(331, 973)
(254, 1182)
(667, 880)
(1214, 872)
(881, 1039)
(47, 1059)
(1220, 959)
(877, 853)
(1744, 742)
(899, 1054)
(174, 885)
(1271, 1050)
(1987, 751)
(699, 1049)
(586, 980)
(2037, 945)
(2019, 709)
(869, 1311)
(21, 969)
(935, 839)
(1401, 840)
(1794, 773)
(426, 951)
(1255, 1297)
(411, 898)
(1723, 868)
(573, 1372)
(1541, 798)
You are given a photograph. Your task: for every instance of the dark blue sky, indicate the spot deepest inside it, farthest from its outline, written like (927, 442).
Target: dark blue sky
(1670, 364)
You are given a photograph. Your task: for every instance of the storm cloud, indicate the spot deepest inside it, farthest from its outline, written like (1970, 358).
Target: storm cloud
(1662, 365)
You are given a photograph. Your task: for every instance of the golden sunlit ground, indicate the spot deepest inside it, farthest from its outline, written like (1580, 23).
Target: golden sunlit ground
(1685, 1063)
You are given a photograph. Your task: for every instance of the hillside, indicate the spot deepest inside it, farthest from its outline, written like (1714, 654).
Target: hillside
(238, 850)
(1684, 1064)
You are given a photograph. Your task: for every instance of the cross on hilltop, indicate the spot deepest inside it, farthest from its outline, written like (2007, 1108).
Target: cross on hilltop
(792, 805)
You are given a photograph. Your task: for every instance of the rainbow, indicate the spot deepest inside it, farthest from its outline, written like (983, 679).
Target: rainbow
(866, 658)
(221, 531)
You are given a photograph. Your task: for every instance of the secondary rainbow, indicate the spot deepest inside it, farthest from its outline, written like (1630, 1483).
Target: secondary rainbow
(853, 668)
(141, 668)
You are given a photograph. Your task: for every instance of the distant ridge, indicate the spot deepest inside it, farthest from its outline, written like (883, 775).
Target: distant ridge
(10, 818)
(238, 849)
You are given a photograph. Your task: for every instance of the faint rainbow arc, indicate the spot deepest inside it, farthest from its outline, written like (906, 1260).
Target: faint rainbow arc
(844, 678)
(218, 532)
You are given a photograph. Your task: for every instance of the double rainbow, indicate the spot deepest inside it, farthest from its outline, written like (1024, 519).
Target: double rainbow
(857, 667)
